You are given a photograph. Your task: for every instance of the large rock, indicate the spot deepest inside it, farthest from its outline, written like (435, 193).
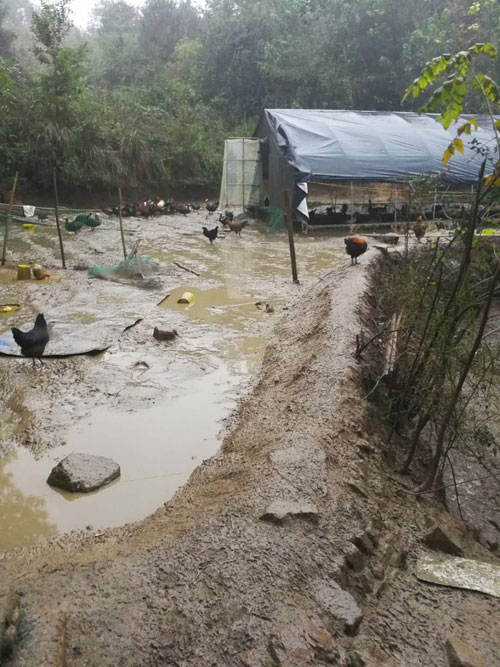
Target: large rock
(460, 654)
(441, 539)
(82, 473)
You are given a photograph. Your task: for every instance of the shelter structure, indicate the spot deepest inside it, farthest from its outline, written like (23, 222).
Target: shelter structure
(299, 147)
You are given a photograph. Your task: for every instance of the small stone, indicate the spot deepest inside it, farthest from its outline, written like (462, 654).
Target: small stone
(10, 617)
(460, 654)
(164, 335)
(356, 660)
(364, 544)
(81, 473)
(279, 510)
(490, 539)
(321, 636)
(340, 604)
(440, 539)
(354, 486)
(355, 560)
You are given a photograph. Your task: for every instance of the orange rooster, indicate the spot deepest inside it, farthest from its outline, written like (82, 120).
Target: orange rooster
(354, 247)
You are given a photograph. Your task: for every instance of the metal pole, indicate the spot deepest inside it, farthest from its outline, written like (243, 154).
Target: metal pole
(7, 221)
(56, 210)
(121, 222)
(289, 224)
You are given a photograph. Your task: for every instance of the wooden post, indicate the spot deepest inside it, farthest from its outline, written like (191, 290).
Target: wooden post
(289, 224)
(407, 231)
(121, 222)
(7, 221)
(56, 211)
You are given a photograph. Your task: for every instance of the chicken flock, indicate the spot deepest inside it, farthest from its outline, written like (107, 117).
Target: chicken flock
(33, 342)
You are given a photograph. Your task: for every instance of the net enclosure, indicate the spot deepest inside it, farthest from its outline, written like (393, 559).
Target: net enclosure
(300, 146)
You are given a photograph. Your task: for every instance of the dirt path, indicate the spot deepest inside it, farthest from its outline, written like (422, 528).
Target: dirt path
(206, 581)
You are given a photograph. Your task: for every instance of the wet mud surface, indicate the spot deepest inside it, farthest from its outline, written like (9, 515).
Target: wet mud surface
(290, 546)
(158, 408)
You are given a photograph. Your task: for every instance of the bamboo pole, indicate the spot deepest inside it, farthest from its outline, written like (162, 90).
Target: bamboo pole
(121, 222)
(56, 211)
(291, 242)
(7, 221)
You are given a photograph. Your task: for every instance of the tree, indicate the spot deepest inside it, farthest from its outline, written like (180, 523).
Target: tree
(115, 58)
(6, 36)
(60, 83)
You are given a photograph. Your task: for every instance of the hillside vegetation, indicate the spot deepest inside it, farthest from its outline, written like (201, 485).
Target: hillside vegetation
(145, 96)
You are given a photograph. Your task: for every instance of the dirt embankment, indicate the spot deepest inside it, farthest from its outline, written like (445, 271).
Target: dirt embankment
(292, 547)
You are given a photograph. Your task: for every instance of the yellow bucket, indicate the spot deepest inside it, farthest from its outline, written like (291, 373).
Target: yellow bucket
(23, 272)
(9, 307)
(187, 297)
(29, 227)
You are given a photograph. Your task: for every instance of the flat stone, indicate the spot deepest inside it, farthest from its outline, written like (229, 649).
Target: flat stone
(440, 539)
(81, 473)
(340, 604)
(460, 654)
(279, 510)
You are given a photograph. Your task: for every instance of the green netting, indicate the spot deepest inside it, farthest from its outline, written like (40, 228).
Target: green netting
(137, 268)
(273, 217)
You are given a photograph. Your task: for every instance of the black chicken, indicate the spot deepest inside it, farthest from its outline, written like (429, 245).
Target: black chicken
(211, 234)
(33, 342)
(212, 206)
(195, 207)
(354, 247)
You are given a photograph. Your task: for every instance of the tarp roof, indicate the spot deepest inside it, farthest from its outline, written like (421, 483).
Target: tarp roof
(384, 146)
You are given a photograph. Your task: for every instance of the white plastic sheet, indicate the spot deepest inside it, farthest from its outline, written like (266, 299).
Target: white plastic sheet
(240, 186)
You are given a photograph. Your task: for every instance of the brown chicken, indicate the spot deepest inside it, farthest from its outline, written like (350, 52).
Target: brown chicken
(419, 228)
(236, 226)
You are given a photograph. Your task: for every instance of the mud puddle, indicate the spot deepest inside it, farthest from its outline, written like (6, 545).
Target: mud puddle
(157, 450)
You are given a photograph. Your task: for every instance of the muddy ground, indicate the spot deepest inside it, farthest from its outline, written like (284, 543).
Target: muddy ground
(157, 408)
(215, 577)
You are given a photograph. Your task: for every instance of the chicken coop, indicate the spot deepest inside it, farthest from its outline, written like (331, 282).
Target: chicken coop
(360, 163)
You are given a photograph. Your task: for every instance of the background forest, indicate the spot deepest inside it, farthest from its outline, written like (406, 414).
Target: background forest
(146, 96)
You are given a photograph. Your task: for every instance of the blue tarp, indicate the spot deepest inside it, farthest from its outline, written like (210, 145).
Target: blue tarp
(383, 146)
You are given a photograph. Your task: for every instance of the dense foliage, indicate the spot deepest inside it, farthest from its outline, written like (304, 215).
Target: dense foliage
(146, 96)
